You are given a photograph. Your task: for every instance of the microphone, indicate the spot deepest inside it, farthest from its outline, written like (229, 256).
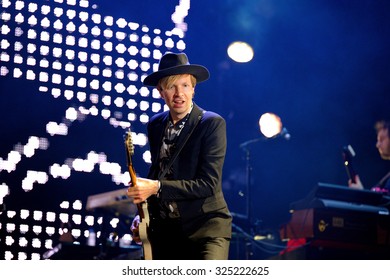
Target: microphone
(246, 143)
(285, 134)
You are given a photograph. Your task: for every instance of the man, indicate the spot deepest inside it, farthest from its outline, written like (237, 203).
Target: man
(189, 217)
(383, 145)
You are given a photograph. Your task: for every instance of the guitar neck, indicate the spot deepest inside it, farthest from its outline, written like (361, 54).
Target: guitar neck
(350, 171)
(133, 176)
(349, 168)
(143, 206)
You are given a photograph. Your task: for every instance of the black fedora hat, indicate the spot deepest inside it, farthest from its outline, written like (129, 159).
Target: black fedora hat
(175, 64)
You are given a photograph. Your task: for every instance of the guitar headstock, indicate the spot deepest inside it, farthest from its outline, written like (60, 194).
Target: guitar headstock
(348, 152)
(129, 147)
(129, 143)
(129, 153)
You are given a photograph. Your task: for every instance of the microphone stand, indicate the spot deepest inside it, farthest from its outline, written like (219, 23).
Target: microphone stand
(248, 169)
(248, 205)
(253, 226)
(245, 146)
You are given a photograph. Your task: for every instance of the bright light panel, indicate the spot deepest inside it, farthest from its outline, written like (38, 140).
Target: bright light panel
(76, 62)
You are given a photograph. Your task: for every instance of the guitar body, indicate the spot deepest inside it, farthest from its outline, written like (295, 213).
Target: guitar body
(143, 230)
(143, 211)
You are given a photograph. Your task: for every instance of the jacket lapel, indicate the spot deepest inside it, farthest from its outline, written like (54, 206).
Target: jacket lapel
(186, 132)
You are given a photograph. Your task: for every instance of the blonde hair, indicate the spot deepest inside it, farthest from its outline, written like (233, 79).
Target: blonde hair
(382, 125)
(165, 82)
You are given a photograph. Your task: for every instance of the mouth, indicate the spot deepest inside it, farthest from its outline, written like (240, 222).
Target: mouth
(178, 103)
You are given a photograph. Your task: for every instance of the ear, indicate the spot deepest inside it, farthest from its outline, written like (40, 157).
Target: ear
(161, 93)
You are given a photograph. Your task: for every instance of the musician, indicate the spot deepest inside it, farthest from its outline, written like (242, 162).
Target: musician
(383, 145)
(189, 217)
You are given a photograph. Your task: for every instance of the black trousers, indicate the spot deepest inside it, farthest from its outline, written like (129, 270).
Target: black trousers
(170, 243)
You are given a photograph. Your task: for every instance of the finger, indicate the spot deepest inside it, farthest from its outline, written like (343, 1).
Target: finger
(136, 237)
(132, 193)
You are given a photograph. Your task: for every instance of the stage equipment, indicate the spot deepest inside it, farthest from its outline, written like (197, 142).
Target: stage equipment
(112, 205)
(342, 218)
(113, 201)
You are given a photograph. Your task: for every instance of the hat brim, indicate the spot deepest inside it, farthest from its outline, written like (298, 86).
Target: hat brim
(200, 73)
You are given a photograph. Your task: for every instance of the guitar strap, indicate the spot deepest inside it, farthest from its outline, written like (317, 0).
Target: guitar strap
(383, 180)
(177, 152)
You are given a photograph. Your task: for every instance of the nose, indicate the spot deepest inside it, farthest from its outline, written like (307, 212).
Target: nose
(178, 90)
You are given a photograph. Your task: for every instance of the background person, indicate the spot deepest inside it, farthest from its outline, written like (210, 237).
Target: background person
(383, 146)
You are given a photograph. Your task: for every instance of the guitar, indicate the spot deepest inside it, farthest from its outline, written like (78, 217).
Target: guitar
(143, 206)
(348, 154)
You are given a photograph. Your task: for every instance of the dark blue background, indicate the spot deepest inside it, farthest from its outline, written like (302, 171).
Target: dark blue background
(322, 66)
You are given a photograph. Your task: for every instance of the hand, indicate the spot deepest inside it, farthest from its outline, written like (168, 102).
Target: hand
(143, 189)
(357, 185)
(134, 229)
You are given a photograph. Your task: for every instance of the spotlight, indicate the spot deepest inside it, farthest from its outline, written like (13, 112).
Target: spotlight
(240, 52)
(271, 126)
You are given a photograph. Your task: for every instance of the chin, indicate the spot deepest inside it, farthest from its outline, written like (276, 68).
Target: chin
(386, 157)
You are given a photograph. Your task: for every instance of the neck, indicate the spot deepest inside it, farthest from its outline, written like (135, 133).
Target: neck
(177, 117)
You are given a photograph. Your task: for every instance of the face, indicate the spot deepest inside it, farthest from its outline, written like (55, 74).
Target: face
(383, 144)
(178, 96)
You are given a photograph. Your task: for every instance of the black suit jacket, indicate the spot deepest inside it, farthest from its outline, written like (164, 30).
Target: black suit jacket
(197, 184)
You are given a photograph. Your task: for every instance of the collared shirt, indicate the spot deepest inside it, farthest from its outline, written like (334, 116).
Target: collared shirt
(172, 132)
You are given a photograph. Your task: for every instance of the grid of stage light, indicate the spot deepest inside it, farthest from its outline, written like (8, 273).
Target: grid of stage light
(30, 230)
(95, 62)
